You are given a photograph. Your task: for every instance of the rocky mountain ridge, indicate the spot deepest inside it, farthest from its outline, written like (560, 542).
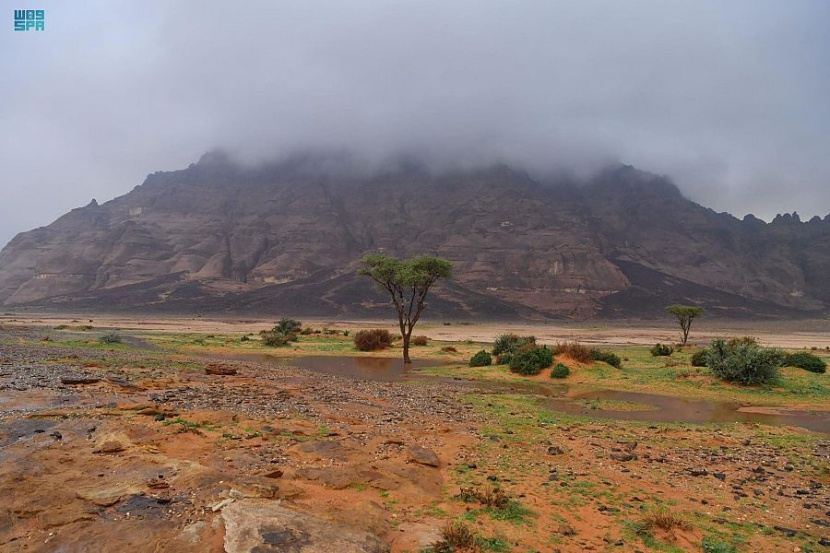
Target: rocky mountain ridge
(288, 238)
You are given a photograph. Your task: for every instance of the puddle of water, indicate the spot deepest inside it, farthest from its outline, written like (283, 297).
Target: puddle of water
(560, 397)
(674, 409)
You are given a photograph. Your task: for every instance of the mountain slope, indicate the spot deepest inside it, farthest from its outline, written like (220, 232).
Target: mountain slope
(289, 237)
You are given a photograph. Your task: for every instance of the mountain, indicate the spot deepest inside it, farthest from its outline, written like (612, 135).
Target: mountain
(287, 239)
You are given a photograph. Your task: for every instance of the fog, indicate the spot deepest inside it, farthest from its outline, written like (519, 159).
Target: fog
(729, 99)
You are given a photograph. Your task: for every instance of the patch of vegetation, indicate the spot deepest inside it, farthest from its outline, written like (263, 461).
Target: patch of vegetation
(606, 357)
(575, 351)
(420, 340)
(531, 361)
(560, 371)
(804, 360)
(489, 496)
(284, 332)
(712, 544)
(665, 519)
(699, 358)
(110, 338)
(481, 359)
(661, 350)
(372, 340)
(511, 343)
(743, 361)
(449, 349)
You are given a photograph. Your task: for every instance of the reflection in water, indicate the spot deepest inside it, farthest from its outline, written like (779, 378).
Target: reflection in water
(560, 397)
(673, 409)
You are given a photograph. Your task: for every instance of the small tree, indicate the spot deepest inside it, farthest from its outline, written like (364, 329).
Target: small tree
(685, 314)
(407, 281)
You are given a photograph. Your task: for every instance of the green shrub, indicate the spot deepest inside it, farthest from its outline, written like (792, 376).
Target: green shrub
(288, 326)
(743, 361)
(244, 338)
(345, 333)
(699, 357)
(807, 361)
(419, 340)
(481, 359)
(532, 360)
(661, 350)
(560, 371)
(511, 343)
(372, 340)
(504, 359)
(274, 339)
(711, 544)
(575, 351)
(606, 357)
(110, 338)
(284, 331)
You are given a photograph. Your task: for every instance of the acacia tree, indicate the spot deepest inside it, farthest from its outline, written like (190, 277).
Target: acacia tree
(407, 282)
(685, 314)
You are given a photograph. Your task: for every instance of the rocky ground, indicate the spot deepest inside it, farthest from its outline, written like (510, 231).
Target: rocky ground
(131, 448)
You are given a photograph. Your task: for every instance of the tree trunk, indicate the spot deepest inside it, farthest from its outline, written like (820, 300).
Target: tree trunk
(406, 337)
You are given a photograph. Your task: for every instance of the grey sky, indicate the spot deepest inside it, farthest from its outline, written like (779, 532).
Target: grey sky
(730, 99)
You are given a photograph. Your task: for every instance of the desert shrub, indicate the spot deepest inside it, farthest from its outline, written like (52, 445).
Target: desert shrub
(61, 327)
(699, 357)
(287, 326)
(244, 338)
(504, 359)
(481, 359)
(511, 343)
(449, 349)
(665, 519)
(419, 340)
(372, 340)
(345, 333)
(807, 361)
(743, 361)
(575, 351)
(307, 331)
(661, 350)
(712, 544)
(110, 338)
(531, 361)
(274, 339)
(560, 371)
(606, 357)
(456, 537)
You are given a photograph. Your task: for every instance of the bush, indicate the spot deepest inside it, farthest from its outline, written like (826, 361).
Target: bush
(531, 361)
(372, 340)
(287, 326)
(712, 544)
(275, 339)
(419, 340)
(110, 338)
(504, 359)
(606, 357)
(244, 338)
(511, 343)
(807, 361)
(661, 350)
(575, 351)
(481, 359)
(560, 371)
(743, 361)
(699, 357)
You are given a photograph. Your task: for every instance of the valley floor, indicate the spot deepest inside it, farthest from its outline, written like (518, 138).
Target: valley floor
(169, 440)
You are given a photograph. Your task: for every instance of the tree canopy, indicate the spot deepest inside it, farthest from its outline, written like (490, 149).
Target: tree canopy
(407, 281)
(685, 314)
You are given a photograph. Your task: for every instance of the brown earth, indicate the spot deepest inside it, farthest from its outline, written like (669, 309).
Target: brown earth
(113, 450)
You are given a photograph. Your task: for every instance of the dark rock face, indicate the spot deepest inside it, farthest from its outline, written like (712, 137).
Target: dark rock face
(217, 237)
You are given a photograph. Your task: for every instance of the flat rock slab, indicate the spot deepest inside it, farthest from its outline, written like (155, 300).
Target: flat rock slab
(265, 527)
(423, 456)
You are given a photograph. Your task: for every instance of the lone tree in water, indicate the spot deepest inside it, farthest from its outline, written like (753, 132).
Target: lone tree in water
(407, 282)
(685, 314)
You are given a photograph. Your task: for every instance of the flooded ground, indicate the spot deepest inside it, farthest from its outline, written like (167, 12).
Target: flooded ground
(606, 404)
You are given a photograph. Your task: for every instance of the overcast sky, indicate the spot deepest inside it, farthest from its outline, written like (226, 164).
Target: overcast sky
(729, 99)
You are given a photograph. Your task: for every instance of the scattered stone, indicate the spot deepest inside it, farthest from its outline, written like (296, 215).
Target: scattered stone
(566, 529)
(555, 450)
(423, 456)
(720, 476)
(110, 446)
(220, 370)
(264, 526)
(788, 531)
(697, 472)
(78, 380)
(623, 457)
